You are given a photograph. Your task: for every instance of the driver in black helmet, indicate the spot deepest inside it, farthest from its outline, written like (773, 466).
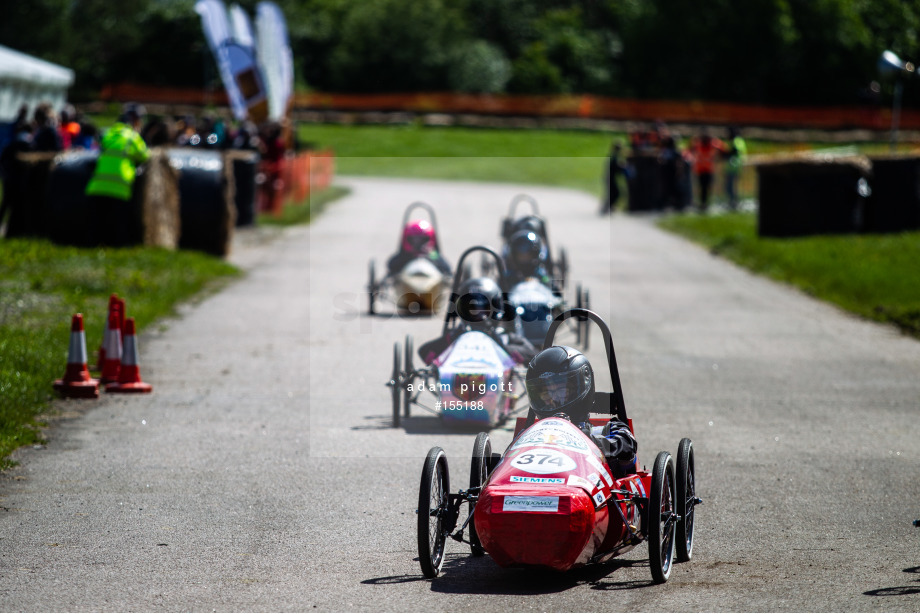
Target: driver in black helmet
(479, 306)
(560, 380)
(527, 258)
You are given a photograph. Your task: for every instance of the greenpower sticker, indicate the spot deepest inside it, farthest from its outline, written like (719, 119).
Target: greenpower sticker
(530, 504)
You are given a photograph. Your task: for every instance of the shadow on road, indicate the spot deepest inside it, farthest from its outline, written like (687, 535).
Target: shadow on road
(465, 575)
(897, 591)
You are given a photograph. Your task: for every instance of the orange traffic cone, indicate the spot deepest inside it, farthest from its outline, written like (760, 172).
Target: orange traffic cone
(100, 361)
(112, 362)
(129, 377)
(76, 382)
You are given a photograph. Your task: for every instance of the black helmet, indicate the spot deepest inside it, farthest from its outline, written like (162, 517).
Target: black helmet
(479, 299)
(530, 223)
(526, 251)
(560, 379)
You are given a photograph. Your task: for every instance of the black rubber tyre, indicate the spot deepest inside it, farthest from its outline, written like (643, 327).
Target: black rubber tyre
(371, 288)
(563, 268)
(409, 366)
(396, 387)
(432, 503)
(479, 472)
(686, 499)
(661, 520)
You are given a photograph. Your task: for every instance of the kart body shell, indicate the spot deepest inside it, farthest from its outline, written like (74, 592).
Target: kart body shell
(536, 305)
(475, 381)
(550, 502)
(418, 286)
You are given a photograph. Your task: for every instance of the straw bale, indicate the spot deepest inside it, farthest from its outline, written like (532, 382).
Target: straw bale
(157, 191)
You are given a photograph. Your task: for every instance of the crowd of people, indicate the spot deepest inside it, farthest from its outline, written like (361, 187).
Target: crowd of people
(47, 131)
(680, 165)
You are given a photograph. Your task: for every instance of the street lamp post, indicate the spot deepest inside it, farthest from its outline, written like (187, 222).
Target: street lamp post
(891, 66)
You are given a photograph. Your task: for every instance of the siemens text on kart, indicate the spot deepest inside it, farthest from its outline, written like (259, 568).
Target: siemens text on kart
(560, 383)
(479, 306)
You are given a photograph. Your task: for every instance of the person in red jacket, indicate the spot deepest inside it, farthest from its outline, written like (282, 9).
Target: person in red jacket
(704, 150)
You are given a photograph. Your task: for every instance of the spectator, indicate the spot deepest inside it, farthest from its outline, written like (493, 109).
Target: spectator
(46, 137)
(20, 141)
(110, 188)
(156, 132)
(736, 152)
(616, 167)
(69, 128)
(704, 150)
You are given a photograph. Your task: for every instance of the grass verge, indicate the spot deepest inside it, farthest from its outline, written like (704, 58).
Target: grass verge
(874, 276)
(42, 285)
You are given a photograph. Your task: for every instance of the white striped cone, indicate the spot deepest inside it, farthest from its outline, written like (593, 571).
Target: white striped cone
(112, 363)
(76, 381)
(129, 377)
(100, 362)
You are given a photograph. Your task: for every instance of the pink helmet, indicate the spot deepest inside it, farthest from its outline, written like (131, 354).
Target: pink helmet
(418, 237)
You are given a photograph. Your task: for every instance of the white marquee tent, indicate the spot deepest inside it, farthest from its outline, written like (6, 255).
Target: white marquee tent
(29, 80)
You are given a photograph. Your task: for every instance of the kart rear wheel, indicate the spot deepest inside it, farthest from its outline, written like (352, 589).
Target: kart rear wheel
(409, 366)
(661, 519)
(432, 505)
(686, 499)
(371, 288)
(563, 272)
(396, 385)
(479, 473)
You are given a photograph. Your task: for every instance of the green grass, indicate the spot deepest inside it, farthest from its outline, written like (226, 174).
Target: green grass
(874, 276)
(42, 285)
(559, 158)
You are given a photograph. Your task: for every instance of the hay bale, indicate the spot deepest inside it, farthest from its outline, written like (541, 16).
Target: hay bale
(804, 194)
(894, 205)
(245, 166)
(157, 190)
(206, 200)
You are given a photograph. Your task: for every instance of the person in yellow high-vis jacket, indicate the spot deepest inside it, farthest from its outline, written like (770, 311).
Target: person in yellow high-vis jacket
(122, 151)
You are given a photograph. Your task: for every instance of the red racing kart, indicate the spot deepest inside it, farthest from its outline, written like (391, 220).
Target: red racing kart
(551, 500)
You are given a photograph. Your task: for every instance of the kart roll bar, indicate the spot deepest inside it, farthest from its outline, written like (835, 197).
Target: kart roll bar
(428, 209)
(525, 198)
(454, 295)
(619, 405)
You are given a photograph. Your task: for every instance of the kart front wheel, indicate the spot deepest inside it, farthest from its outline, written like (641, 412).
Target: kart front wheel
(479, 472)
(409, 365)
(661, 520)
(371, 288)
(432, 506)
(395, 385)
(686, 499)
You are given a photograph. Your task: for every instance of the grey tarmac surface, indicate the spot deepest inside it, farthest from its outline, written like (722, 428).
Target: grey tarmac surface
(262, 474)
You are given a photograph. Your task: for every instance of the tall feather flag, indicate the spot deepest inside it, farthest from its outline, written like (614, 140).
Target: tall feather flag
(236, 62)
(275, 57)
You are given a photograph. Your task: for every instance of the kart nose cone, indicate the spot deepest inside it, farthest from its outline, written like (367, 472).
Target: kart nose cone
(540, 527)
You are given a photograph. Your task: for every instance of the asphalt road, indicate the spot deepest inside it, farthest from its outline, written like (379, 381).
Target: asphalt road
(263, 474)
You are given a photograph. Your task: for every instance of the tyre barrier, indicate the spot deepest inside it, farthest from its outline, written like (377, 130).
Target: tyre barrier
(809, 196)
(206, 200)
(47, 192)
(894, 205)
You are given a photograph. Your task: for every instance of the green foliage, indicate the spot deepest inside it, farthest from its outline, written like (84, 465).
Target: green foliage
(43, 285)
(764, 51)
(871, 275)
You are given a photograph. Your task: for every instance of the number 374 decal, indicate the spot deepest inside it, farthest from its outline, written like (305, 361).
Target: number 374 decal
(543, 460)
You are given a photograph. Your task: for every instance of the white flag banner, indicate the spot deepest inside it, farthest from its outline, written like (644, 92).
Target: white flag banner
(241, 27)
(275, 57)
(236, 63)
